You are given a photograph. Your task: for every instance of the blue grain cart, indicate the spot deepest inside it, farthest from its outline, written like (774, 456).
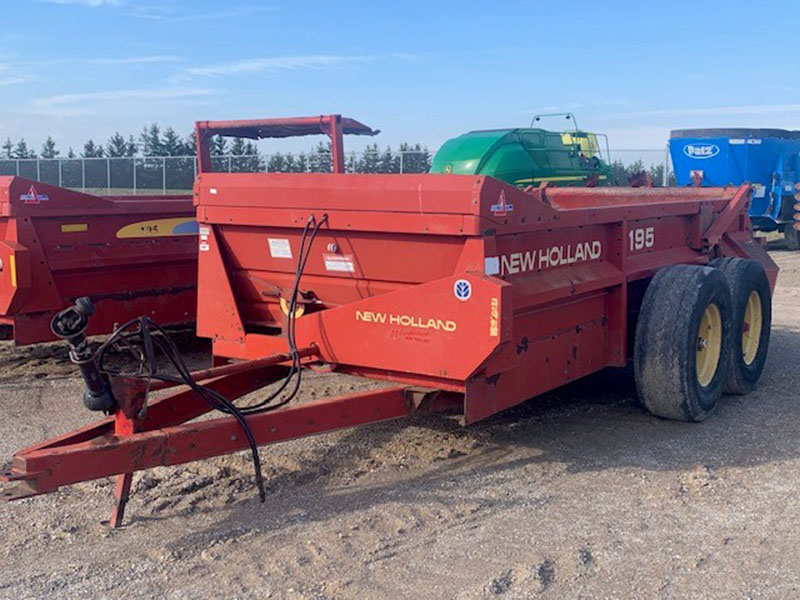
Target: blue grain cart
(767, 158)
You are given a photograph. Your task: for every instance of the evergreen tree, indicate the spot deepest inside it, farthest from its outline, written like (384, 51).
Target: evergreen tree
(21, 150)
(8, 148)
(319, 161)
(71, 153)
(130, 147)
(657, 174)
(219, 146)
(416, 159)
(49, 148)
(302, 164)
(172, 145)
(619, 174)
(369, 160)
(246, 157)
(116, 146)
(92, 150)
(389, 162)
(150, 139)
(276, 163)
(190, 145)
(237, 147)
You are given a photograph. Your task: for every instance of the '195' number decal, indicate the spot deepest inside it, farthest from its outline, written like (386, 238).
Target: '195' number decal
(644, 237)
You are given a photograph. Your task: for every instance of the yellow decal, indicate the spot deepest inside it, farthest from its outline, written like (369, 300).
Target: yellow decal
(12, 261)
(74, 227)
(494, 317)
(299, 309)
(159, 228)
(367, 316)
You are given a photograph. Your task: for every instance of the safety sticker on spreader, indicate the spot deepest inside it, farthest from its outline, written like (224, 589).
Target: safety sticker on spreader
(339, 263)
(279, 248)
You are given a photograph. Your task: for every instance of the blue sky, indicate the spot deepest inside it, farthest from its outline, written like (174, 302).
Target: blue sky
(419, 71)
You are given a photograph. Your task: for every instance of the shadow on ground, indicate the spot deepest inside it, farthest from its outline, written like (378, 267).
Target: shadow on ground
(594, 424)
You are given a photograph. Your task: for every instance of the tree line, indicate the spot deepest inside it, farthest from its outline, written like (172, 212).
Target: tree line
(153, 142)
(240, 155)
(637, 174)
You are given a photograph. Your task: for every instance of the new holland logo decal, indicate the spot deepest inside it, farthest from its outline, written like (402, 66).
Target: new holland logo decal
(33, 197)
(502, 208)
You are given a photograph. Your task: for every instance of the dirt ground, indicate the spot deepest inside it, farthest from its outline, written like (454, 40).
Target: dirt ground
(576, 494)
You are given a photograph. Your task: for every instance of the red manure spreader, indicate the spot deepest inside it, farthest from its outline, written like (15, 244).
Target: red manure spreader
(132, 255)
(466, 293)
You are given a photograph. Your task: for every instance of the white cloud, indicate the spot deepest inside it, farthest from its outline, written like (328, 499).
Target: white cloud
(119, 95)
(275, 64)
(166, 13)
(560, 108)
(133, 60)
(117, 101)
(85, 2)
(12, 80)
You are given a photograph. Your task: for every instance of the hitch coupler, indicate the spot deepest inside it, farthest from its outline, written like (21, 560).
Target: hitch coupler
(70, 324)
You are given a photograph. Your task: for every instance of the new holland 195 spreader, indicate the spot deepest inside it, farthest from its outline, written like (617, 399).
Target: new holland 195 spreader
(131, 254)
(467, 293)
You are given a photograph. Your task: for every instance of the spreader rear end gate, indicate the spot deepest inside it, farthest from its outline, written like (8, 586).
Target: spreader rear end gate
(465, 293)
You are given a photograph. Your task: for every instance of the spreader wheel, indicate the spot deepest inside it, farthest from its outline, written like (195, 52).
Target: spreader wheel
(682, 347)
(792, 237)
(752, 321)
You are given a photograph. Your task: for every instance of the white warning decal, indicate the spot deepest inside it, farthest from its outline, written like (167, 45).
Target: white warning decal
(279, 248)
(339, 263)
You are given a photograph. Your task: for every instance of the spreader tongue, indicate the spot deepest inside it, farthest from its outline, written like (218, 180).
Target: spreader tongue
(22, 485)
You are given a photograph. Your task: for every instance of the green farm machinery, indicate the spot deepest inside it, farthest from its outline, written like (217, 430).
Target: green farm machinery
(529, 156)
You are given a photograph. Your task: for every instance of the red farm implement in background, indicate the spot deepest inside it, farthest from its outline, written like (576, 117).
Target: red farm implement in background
(469, 294)
(132, 255)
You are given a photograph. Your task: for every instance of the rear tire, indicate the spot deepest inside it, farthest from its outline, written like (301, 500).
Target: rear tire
(682, 342)
(752, 320)
(792, 237)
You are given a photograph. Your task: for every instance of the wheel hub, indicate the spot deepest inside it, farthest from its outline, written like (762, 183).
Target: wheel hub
(709, 344)
(751, 328)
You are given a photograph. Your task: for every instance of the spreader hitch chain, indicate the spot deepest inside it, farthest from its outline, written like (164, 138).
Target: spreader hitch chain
(70, 324)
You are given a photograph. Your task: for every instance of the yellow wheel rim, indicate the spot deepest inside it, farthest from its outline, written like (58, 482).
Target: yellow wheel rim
(709, 344)
(751, 328)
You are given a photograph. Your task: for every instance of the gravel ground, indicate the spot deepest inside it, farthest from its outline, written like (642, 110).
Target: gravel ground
(578, 493)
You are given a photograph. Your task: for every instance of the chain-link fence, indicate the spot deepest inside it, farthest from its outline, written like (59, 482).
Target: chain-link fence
(176, 174)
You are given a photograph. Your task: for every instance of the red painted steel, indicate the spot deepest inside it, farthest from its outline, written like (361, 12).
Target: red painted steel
(467, 293)
(550, 273)
(133, 440)
(58, 244)
(334, 126)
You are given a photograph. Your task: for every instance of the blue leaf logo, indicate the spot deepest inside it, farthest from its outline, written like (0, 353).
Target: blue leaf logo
(462, 289)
